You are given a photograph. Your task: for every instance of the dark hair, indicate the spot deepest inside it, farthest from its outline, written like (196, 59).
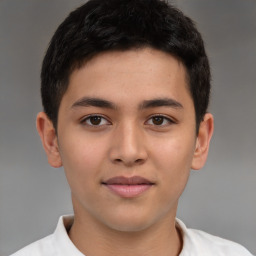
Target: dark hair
(99, 26)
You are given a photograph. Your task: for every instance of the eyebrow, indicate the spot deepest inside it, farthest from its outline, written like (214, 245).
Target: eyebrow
(101, 103)
(94, 102)
(160, 102)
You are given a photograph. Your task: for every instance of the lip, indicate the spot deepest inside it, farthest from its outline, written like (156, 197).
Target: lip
(128, 187)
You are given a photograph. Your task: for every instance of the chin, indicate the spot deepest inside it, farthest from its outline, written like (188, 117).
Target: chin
(129, 223)
(129, 227)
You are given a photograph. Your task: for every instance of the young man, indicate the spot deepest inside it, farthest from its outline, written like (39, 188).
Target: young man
(125, 90)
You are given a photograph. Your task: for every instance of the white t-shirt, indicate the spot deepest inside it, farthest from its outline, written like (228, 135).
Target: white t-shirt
(195, 243)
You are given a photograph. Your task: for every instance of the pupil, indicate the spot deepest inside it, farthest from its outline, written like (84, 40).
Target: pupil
(158, 120)
(95, 120)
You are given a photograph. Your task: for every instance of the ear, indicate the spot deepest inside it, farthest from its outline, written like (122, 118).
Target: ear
(49, 139)
(203, 141)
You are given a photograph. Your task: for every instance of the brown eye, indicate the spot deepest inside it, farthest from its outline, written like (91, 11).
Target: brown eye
(157, 120)
(95, 120)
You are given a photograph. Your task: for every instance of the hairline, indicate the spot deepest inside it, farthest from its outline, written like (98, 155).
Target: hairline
(79, 64)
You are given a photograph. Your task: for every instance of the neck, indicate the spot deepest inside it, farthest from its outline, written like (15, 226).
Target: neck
(95, 239)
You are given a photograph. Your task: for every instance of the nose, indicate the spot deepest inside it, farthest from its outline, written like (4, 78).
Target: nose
(127, 146)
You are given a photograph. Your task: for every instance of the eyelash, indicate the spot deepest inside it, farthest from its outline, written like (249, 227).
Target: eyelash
(166, 120)
(87, 118)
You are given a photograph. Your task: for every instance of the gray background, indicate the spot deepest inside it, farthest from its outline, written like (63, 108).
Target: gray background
(219, 199)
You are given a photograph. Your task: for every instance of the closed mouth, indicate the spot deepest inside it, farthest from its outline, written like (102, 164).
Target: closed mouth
(121, 180)
(128, 187)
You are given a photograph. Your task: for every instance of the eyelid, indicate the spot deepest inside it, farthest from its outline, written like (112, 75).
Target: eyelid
(107, 122)
(85, 118)
(168, 118)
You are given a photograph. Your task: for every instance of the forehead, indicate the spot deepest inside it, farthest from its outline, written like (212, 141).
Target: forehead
(129, 75)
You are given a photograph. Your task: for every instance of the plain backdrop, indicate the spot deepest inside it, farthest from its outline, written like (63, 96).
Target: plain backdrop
(219, 199)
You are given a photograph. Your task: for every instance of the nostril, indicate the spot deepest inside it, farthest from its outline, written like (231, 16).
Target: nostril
(138, 161)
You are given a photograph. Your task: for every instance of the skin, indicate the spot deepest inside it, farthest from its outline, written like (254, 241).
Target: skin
(127, 140)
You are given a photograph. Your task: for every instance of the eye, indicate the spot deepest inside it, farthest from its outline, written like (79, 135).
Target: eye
(95, 120)
(159, 120)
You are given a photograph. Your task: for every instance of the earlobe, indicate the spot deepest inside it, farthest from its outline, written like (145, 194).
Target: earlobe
(203, 141)
(49, 140)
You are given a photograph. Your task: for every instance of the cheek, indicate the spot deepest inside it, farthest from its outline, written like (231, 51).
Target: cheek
(175, 151)
(82, 159)
(173, 159)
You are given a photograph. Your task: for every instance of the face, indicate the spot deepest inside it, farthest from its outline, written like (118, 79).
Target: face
(127, 138)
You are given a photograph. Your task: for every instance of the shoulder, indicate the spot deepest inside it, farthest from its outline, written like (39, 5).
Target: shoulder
(218, 246)
(42, 247)
(56, 244)
(198, 242)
